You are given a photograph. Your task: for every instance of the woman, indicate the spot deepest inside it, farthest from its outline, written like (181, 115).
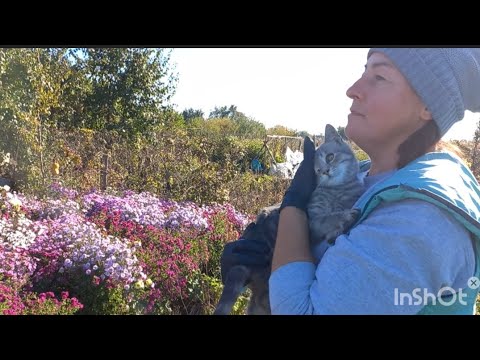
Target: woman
(415, 248)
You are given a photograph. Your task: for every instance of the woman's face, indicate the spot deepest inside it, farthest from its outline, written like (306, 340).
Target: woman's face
(385, 108)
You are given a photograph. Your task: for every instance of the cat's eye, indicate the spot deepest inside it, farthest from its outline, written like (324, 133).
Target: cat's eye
(329, 158)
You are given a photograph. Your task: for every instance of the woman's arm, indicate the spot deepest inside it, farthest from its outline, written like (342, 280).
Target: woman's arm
(292, 242)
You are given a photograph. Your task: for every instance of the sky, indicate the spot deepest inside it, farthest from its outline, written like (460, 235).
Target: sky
(300, 88)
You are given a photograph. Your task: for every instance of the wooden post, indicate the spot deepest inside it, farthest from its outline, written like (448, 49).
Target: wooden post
(270, 153)
(104, 172)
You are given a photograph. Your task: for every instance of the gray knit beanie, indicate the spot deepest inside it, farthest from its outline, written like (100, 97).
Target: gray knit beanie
(447, 80)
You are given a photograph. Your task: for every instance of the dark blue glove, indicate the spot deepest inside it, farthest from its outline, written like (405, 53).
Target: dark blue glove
(250, 253)
(304, 181)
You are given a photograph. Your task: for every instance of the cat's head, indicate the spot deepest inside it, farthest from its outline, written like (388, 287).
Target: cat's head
(335, 162)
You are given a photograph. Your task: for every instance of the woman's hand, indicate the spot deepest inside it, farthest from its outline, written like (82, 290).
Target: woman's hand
(304, 181)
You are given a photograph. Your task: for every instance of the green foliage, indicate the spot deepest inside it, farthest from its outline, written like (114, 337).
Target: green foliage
(241, 125)
(188, 167)
(123, 91)
(190, 114)
(106, 299)
(17, 301)
(281, 130)
(249, 192)
(31, 85)
(128, 87)
(218, 127)
(205, 292)
(341, 132)
(253, 149)
(249, 128)
(174, 163)
(223, 231)
(47, 304)
(97, 298)
(223, 112)
(101, 299)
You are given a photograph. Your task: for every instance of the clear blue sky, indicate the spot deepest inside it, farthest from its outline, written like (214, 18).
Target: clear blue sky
(300, 88)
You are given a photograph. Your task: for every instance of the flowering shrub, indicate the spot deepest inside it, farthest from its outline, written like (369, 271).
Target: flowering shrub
(10, 301)
(123, 253)
(48, 304)
(176, 240)
(13, 302)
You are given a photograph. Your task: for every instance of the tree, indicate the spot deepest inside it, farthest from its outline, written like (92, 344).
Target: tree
(190, 114)
(221, 126)
(303, 133)
(245, 127)
(223, 112)
(31, 86)
(128, 88)
(281, 130)
(75, 89)
(341, 132)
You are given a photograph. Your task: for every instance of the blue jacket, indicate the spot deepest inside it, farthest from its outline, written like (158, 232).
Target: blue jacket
(443, 180)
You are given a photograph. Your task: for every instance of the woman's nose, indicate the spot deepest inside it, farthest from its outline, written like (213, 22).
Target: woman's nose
(353, 92)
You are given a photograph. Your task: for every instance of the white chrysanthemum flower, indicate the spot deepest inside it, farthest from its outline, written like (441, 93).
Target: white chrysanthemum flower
(15, 201)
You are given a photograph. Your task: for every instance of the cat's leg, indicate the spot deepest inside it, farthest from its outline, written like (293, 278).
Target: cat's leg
(234, 283)
(259, 302)
(345, 221)
(330, 226)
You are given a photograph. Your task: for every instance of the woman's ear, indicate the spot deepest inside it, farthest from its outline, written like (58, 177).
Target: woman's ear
(425, 114)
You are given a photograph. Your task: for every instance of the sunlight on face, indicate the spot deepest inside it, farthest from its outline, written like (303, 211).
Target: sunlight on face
(385, 109)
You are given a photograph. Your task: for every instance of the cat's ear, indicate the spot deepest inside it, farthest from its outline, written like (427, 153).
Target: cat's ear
(331, 134)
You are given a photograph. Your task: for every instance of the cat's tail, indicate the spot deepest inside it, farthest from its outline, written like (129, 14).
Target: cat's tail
(235, 282)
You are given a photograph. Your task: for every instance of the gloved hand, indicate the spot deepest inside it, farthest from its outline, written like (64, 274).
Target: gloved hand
(304, 181)
(251, 253)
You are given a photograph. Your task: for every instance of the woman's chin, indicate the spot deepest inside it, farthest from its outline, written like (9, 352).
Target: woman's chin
(350, 130)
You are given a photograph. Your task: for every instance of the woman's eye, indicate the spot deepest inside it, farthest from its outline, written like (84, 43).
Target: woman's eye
(378, 77)
(330, 158)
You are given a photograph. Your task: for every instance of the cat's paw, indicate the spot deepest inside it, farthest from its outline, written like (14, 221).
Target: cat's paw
(332, 236)
(352, 216)
(349, 217)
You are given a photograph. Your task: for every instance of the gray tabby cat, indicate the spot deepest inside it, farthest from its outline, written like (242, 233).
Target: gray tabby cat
(329, 211)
